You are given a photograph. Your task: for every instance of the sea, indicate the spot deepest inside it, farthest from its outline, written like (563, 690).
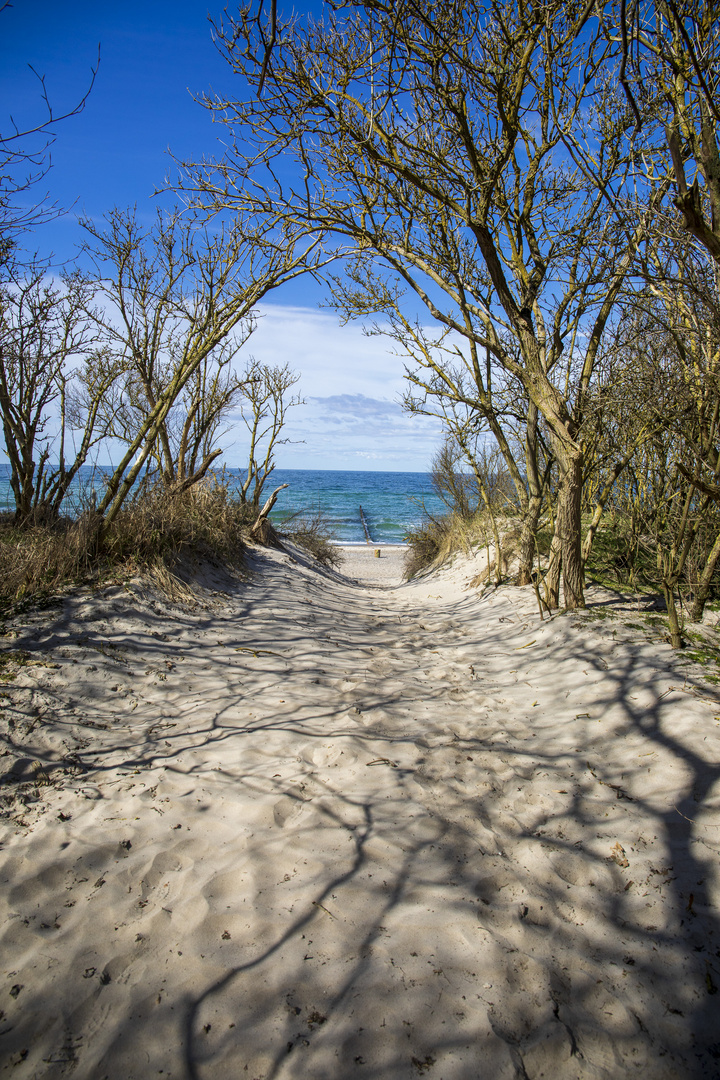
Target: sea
(358, 507)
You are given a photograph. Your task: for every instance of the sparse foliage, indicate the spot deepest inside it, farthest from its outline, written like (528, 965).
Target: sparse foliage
(265, 395)
(48, 342)
(434, 142)
(175, 293)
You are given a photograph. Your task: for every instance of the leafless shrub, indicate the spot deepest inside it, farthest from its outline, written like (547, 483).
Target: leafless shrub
(313, 532)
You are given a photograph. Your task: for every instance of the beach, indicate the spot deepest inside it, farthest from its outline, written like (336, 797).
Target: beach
(319, 824)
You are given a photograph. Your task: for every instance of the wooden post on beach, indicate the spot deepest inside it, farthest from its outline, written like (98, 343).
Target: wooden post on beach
(364, 525)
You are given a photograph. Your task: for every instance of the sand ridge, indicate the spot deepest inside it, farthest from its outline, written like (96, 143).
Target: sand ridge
(314, 828)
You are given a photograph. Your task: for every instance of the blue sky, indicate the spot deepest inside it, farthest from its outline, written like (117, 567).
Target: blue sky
(154, 56)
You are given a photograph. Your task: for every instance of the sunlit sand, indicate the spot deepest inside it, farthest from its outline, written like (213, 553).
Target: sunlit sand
(314, 828)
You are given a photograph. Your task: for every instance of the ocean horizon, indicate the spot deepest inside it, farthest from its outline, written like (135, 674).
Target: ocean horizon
(390, 505)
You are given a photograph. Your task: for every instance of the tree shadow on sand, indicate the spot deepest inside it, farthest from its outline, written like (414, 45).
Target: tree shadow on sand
(454, 901)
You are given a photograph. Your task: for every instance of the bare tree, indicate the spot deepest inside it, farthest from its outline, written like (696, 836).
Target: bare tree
(45, 328)
(201, 417)
(658, 417)
(669, 72)
(265, 399)
(684, 314)
(174, 295)
(456, 380)
(487, 482)
(25, 160)
(451, 480)
(435, 140)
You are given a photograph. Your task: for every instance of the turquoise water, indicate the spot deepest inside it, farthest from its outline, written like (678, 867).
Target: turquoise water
(392, 502)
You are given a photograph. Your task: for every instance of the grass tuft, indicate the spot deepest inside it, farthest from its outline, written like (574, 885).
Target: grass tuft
(438, 538)
(313, 533)
(154, 535)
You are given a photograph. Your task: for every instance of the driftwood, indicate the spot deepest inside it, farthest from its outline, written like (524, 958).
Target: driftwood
(262, 531)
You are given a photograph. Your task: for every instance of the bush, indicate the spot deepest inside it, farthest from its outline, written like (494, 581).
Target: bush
(37, 561)
(207, 520)
(439, 538)
(429, 544)
(154, 534)
(312, 532)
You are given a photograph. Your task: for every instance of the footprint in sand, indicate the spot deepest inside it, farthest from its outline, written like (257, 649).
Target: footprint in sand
(163, 864)
(287, 811)
(329, 754)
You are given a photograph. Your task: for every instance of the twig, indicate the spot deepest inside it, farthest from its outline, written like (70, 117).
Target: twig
(694, 822)
(316, 903)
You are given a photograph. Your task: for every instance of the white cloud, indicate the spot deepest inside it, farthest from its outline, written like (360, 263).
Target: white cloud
(352, 385)
(332, 359)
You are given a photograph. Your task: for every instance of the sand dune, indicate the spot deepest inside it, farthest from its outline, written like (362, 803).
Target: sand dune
(324, 826)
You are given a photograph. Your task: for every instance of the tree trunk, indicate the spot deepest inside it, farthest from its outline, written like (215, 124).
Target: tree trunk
(533, 505)
(703, 589)
(262, 531)
(566, 547)
(569, 528)
(673, 621)
(551, 582)
(527, 541)
(498, 549)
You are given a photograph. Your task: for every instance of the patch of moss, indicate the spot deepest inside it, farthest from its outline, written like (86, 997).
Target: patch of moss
(11, 662)
(707, 656)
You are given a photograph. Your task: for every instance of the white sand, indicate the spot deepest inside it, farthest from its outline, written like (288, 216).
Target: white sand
(372, 565)
(312, 829)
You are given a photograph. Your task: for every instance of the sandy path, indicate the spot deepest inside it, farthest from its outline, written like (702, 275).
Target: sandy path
(322, 830)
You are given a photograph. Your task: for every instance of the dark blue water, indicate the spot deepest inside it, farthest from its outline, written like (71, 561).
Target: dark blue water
(392, 502)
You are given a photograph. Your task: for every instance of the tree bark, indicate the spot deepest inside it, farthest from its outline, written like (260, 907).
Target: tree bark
(527, 540)
(569, 524)
(673, 621)
(551, 582)
(703, 589)
(533, 507)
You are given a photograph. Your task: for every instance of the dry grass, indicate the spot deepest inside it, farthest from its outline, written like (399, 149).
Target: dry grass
(37, 561)
(155, 535)
(439, 538)
(312, 532)
(160, 535)
(163, 525)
